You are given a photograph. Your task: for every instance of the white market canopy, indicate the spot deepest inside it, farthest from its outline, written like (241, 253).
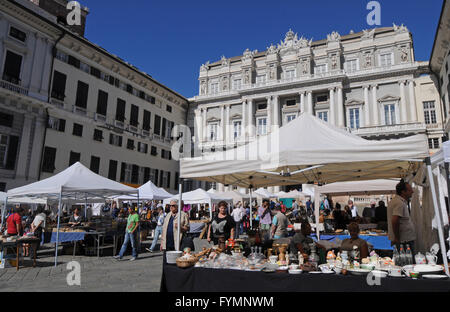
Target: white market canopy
(262, 192)
(369, 187)
(308, 150)
(77, 183)
(148, 191)
(198, 196)
(292, 194)
(235, 195)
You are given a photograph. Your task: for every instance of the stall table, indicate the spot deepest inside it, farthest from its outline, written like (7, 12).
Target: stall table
(194, 279)
(380, 242)
(16, 246)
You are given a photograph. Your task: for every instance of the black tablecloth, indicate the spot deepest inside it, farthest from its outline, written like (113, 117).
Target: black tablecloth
(193, 279)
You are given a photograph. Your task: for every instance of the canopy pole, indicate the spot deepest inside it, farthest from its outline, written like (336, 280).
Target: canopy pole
(251, 210)
(3, 212)
(317, 209)
(57, 228)
(180, 208)
(437, 212)
(447, 173)
(85, 207)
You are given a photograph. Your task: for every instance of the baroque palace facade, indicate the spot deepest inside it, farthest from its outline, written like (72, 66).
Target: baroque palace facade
(367, 82)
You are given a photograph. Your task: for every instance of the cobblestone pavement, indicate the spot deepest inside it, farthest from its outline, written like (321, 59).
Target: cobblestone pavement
(97, 274)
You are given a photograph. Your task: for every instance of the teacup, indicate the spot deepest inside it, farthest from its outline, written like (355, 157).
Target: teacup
(414, 274)
(293, 267)
(338, 270)
(397, 272)
(432, 259)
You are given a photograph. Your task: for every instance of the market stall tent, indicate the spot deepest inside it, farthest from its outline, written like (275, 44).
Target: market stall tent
(369, 187)
(148, 191)
(75, 184)
(199, 196)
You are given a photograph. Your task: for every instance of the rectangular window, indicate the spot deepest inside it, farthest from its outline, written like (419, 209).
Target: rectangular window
(146, 120)
(95, 164)
(134, 115)
(214, 88)
(323, 115)
(262, 126)
(237, 129)
(321, 98)
(115, 140)
(11, 154)
(142, 147)
(212, 130)
(74, 61)
(261, 78)
(59, 86)
(112, 171)
(74, 158)
(177, 179)
(386, 60)
(289, 74)
(95, 72)
(429, 112)
(168, 180)
(63, 57)
(12, 67)
(157, 125)
(3, 149)
(48, 163)
(98, 135)
(146, 175)
(125, 173)
(134, 174)
(102, 102)
(17, 34)
(433, 143)
(82, 94)
(77, 130)
(85, 67)
(353, 118)
(320, 69)
(154, 151)
(261, 106)
(291, 103)
(120, 110)
(6, 120)
(351, 66)
(237, 83)
(389, 114)
(290, 117)
(169, 108)
(130, 144)
(56, 124)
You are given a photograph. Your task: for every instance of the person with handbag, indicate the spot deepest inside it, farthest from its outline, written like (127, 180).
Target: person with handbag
(170, 227)
(37, 227)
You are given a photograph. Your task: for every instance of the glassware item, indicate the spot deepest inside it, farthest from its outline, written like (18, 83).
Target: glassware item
(409, 256)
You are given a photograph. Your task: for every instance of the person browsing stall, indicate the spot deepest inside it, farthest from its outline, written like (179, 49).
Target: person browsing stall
(14, 223)
(132, 226)
(170, 227)
(354, 240)
(279, 224)
(222, 225)
(301, 241)
(158, 229)
(76, 218)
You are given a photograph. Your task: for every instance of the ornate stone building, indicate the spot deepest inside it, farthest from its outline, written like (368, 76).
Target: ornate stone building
(367, 82)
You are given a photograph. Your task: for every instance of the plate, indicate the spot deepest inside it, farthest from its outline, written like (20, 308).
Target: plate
(359, 271)
(295, 271)
(268, 270)
(432, 276)
(315, 272)
(428, 268)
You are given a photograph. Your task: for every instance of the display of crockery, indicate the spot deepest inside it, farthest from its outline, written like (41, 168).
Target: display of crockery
(434, 276)
(428, 268)
(326, 268)
(358, 271)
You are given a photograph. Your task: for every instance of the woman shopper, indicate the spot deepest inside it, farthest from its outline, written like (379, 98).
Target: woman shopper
(158, 229)
(222, 225)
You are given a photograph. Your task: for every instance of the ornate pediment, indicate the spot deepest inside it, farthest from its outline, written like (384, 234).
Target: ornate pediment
(248, 55)
(290, 45)
(353, 102)
(368, 34)
(236, 116)
(212, 119)
(225, 62)
(334, 37)
(399, 29)
(204, 67)
(389, 98)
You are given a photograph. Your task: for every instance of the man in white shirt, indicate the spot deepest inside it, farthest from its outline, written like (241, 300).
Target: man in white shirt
(237, 216)
(353, 208)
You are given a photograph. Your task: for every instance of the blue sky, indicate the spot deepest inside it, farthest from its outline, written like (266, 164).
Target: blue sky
(171, 39)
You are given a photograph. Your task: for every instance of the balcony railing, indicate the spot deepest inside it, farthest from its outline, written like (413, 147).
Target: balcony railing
(13, 85)
(390, 129)
(79, 110)
(99, 117)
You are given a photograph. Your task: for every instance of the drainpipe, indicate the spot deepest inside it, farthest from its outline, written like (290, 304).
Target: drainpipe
(48, 100)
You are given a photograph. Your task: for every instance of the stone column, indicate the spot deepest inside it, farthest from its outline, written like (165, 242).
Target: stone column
(228, 128)
(367, 121)
(244, 120)
(376, 114)
(269, 114)
(403, 115)
(221, 136)
(36, 150)
(332, 107)
(22, 155)
(310, 103)
(412, 101)
(198, 130)
(204, 127)
(251, 125)
(302, 102)
(276, 112)
(340, 109)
